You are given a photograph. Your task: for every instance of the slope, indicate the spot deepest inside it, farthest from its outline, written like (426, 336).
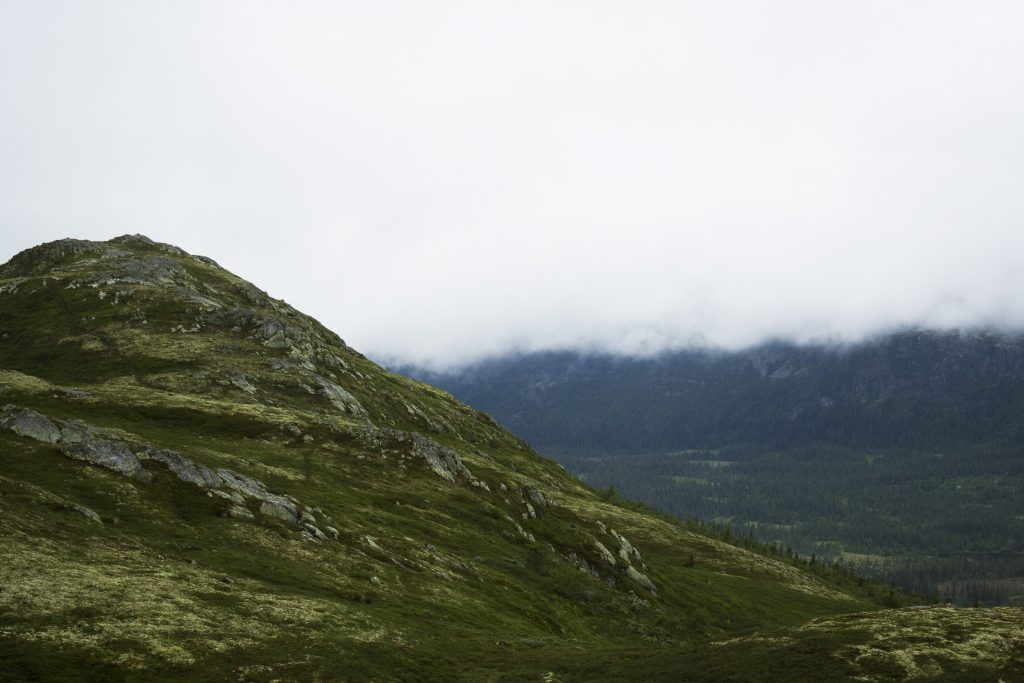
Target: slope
(198, 482)
(901, 454)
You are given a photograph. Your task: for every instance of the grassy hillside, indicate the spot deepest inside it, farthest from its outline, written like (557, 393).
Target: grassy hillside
(900, 454)
(198, 482)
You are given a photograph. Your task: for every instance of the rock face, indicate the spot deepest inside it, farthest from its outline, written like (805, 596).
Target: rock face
(341, 399)
(185, 469)
(33, 425)
(539, 500)
(606, 554)
(109, 454)
(445, 462)
(641, 579)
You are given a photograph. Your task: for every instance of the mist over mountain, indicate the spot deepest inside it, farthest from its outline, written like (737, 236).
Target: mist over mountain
(452, 181)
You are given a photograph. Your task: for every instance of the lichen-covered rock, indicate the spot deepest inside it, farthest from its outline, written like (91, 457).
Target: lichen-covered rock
(185, 469)
(626, 550)
(242, 382)
(73, 431)
(239, 512)
(445, 462)
(641, 579)
(279, 509)
(605, 554)
(339, 398)
(536, 497)
(50, 253)
(315, 532)
(33, 425)
(112, 455)
(581, 564)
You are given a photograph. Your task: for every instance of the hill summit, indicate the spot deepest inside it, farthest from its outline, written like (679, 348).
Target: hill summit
(199, 482)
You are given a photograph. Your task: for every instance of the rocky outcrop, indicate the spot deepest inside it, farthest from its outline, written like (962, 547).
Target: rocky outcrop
(80, 441)
(444, 462)
(186, 470)
(33, 425)
(641, 579)
(339, 398)
(271, 505)
(605, 554)
(539, 500)
(626, 550)
(50, 253)
(112, 455)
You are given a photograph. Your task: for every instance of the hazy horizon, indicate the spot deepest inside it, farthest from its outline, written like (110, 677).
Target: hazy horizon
(444, 182)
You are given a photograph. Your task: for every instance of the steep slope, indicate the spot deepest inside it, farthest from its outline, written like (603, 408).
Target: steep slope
(199, 482)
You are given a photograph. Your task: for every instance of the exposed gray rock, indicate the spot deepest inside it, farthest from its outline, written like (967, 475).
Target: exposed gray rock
(33, 425)
(73, 431)
(339, 398)
(139, 239)
(536, 497)
(47, 254)
(185, 469)
(641, 579)
(131, 269)
(80, 441)
(582, 564)
(626, 550)
(112, 455)
(242, 382)
(445, 462)
(233, 496)
(76, 393)
(606, 554)
(279, 509)
(207, 260)
(239, 512)
(315, 532)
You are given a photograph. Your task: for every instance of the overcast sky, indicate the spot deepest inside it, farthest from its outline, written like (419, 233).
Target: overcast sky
(439, 181)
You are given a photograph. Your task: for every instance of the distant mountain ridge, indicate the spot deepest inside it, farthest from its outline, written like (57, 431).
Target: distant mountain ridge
(913, 388)
(903, 454)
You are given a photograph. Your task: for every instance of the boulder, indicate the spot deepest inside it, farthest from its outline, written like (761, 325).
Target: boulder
(339, 398)
(112, 455)
(239, 512)
(33, 425)
(538, 499)
(185, 469)
(641, 579)
(279, 509)
(605, 554)
(445, 462)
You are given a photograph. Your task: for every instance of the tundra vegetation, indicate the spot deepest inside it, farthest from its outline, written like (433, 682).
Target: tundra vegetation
(198, 482)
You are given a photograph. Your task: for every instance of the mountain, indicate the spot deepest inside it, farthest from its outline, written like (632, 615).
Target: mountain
(199, 482)
(902, 454)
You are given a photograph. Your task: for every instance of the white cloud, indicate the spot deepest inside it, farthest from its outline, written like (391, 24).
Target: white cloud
(439, 181)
